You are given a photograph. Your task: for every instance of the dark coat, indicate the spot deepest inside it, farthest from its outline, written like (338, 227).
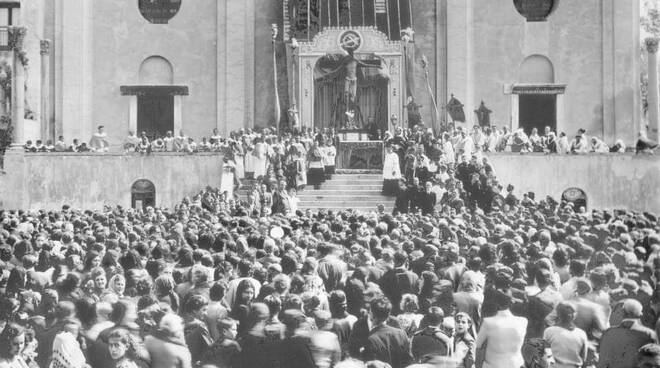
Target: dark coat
(427, 202)
(395, 283)
(389, 345)
(429, 342)
(294, 352)
(619, 345)
(360, 334)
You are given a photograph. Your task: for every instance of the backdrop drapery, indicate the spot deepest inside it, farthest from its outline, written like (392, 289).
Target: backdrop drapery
(329, 87)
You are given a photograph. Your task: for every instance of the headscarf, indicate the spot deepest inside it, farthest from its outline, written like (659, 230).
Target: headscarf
(67, 352)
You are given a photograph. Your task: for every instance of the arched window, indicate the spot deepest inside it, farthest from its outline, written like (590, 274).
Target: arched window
(536, 69)
(143, 194)
(156, 70)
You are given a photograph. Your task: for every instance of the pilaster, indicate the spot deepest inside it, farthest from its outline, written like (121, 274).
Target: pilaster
(76, 69)
(46, 127)
(653, 108)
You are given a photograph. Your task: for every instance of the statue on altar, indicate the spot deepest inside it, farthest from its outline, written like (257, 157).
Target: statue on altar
(341, 79)
(350, 84)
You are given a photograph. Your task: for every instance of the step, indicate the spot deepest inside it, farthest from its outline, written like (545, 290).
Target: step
(371, 187)
(357, 176)
(344, 204)
(321, 193)
(348, 184)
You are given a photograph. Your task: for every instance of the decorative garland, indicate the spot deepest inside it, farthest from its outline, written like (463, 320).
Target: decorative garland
(16, 37)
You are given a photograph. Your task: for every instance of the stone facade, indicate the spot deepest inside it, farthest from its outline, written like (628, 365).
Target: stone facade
(93, 180)
(221, 50)
(48, 181)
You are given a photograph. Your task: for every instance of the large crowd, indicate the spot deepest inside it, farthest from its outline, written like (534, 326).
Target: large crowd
(459, 275)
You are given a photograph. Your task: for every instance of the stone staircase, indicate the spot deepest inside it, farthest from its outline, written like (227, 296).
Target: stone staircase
(360, 192)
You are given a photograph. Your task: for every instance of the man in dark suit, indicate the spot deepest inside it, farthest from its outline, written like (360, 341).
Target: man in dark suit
(619, 345)
(399, 281)
(280, 199)
(427, 199)
(431, 341)
(414, 195)
(294, 350)
(363, 326)
(402, 202)
(386, 343)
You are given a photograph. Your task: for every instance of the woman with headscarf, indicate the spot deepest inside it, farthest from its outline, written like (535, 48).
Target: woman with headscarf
(116, 288)
(67, 352)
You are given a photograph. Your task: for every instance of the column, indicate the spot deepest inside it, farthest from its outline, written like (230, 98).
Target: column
(133, 114)
(221, 79)
(46, 131)
(18, 91)
(653, 107)
(75, 76)
(460, 63)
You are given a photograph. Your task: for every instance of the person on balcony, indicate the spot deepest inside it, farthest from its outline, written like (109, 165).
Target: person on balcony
(99, 141)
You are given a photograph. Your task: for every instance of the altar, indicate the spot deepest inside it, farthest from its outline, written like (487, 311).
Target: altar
(356, 152)
(348, 76)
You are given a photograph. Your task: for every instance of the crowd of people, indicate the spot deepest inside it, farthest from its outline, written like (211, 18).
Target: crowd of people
(525, 284)
(476, 139)
(462, 273)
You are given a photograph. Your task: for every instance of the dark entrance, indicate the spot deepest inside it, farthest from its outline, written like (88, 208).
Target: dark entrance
(143, 194)
(537, 111)
(576, 196)
(155, 114)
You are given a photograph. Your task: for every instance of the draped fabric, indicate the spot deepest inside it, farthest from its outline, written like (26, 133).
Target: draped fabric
(308, 17)
(331, 104)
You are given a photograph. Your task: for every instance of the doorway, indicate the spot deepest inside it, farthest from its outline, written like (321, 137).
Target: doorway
(576, 196)
(537, 111)
(155, 115)
(143, 194)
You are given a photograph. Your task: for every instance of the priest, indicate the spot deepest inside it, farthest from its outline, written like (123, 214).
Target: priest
(391, 172)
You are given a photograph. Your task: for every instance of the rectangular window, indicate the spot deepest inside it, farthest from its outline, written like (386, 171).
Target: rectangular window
(4, 17)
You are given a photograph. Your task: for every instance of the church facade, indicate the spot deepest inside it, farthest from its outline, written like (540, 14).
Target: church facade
(199, 65)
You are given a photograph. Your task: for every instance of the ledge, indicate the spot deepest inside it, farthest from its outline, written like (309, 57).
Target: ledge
(130, 154)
